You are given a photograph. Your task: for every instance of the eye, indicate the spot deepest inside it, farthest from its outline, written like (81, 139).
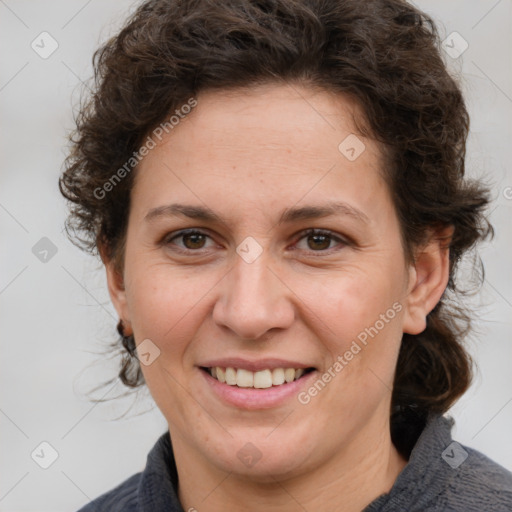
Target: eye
(194, 240)
(318, 240)
(191, 240)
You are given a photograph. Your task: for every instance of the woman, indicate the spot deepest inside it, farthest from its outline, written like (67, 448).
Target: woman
(276, 191)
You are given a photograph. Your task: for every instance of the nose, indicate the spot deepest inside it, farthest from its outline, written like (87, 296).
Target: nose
(253, 300)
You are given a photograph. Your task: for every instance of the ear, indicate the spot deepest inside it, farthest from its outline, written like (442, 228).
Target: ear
(116, 289)
(428, 279)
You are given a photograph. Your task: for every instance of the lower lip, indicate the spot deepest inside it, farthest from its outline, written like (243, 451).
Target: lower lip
(251, 398)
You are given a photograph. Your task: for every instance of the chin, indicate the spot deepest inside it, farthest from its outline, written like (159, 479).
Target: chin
(262, 459)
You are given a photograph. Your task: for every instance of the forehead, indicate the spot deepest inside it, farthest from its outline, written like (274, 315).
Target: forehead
(265, 146)
(285, 115)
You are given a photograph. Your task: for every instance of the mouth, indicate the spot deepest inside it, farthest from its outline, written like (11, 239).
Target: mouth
(261, 379)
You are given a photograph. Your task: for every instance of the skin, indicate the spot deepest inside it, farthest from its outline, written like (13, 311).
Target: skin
(248, 155)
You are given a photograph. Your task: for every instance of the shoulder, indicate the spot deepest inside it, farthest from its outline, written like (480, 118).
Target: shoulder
(478, 483)
(444, 475)
(461, 478)
(152, 489)
(122, 498)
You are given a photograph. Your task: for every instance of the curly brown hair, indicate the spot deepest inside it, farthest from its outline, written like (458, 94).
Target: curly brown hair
(383, 54)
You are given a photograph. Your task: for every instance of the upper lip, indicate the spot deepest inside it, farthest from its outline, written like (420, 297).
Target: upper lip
(254, 365)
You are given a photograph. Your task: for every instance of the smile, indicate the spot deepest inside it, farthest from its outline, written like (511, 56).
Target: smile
(262, 379)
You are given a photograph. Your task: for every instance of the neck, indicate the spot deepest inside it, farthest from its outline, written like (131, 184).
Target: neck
(348, 481)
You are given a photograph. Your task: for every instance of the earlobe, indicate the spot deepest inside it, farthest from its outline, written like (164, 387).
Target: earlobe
(428, 280)
(414, 319)
(117, 291)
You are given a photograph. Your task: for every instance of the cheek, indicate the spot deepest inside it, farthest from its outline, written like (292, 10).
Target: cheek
(360, 314)
(165, 306)
(347, 303)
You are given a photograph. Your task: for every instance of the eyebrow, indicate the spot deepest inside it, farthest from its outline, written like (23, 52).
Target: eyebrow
(289, 215)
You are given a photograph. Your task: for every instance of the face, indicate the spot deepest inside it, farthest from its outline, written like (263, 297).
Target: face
(256, 244)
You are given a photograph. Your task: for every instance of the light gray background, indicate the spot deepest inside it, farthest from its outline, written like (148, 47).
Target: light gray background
(56, 316)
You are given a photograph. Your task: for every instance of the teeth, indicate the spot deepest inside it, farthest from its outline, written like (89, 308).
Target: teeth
(289, 374)
(221, 374)
(244, 378)
(231, 376)
(262, 379)
(277, 376)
